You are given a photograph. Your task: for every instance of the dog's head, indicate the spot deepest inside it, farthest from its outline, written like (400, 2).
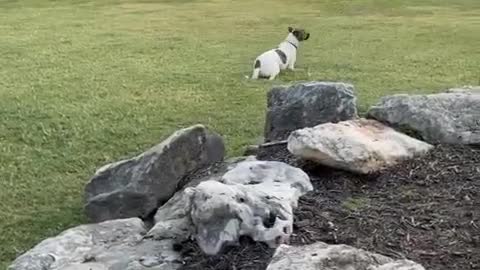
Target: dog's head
(299, 33)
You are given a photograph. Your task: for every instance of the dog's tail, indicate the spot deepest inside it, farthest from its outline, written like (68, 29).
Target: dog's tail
(256, 70)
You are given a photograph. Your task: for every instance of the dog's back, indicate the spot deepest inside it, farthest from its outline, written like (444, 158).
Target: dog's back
(268, 63)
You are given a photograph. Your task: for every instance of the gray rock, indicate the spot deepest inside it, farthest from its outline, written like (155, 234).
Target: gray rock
(361, 145)
(321, 256)
(253, 198)
(110, 245)
(307, 105)
(451, 118)
(137, 186)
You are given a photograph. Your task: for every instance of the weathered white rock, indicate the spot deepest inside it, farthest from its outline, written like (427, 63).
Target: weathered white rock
(86, 266)
(321, 256)
(114, 244)
(474, 90)
(361, 146)
(135, 187)
(400, 265)
(172, 220)
(254, 198)
(307, 104)
(451, 118)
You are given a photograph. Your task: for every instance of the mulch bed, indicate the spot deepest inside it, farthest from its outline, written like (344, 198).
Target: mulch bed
(426, 210)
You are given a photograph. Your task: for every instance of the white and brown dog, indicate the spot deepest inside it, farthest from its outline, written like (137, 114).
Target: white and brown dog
(269, 63)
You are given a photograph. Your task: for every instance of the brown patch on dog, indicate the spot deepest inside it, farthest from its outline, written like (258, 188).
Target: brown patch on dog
(282, 55)
(257, 64)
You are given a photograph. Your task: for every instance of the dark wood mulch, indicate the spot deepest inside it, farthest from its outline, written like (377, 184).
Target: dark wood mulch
(426, 210)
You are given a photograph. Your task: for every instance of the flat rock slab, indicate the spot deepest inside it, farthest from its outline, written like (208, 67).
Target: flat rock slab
(361, 146)
(114, 244)
(321, 256)
(306, 105)
(449, 118)
(135, 187)
(253, 198)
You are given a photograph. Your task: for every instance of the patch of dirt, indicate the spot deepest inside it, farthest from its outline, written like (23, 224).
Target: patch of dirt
(248, 255)
(426, 209)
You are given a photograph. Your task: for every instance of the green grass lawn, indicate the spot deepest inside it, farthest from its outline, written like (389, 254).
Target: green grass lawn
(83, 83)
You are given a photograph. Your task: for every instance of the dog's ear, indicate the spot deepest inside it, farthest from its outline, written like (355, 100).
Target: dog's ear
(307, 36)
(290, 29)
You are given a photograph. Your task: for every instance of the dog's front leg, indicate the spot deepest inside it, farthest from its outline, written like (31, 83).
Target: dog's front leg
(291, 65)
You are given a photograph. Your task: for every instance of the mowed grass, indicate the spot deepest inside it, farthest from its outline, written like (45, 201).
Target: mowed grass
(84, 83)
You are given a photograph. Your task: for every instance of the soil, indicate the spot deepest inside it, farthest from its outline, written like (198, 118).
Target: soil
(426, 209)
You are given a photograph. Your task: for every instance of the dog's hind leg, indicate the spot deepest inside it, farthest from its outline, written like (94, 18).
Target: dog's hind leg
(256, 70)
(256, 74)
(274, 73)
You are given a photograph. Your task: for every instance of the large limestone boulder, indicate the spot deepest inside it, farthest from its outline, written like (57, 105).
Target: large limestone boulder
(307, 105)
(172, 220)
(135, 187)
(253, 198)
(114, 244)
(321, 256)
(451, 118)
(361, 146)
